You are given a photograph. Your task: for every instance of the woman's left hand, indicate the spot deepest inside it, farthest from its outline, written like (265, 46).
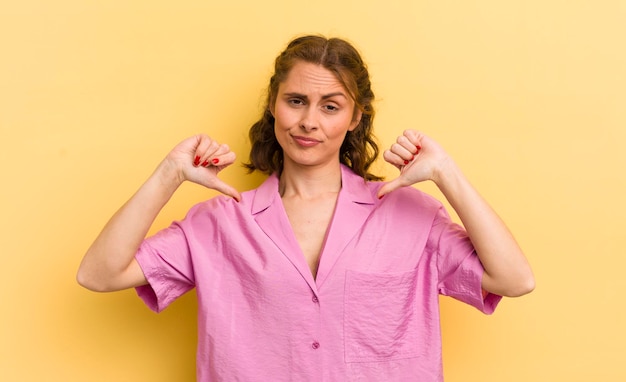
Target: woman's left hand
(418, 157)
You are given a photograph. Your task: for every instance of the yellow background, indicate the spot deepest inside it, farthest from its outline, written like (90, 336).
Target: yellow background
(529, 96)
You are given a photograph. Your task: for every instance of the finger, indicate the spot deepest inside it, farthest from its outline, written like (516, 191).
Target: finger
(222, 157)
(394, 159)
(407, 144)
(404, 154)
(388, 187)
(226, 189)
(413, 140)
(204, 150)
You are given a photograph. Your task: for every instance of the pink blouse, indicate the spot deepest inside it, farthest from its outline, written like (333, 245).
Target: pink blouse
(371, 314)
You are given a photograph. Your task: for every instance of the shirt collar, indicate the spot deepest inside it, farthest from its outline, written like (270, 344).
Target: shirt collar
(353, 188)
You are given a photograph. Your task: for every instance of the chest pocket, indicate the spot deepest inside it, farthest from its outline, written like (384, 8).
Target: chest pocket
(380, 317)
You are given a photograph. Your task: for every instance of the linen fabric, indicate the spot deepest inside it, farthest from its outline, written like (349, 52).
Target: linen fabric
(371, 314)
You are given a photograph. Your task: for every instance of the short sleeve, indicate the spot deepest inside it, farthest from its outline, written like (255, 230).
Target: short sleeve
(460, 270)
(166, 263)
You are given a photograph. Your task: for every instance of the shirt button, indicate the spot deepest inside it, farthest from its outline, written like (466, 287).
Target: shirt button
(315, 345)
(315, 300)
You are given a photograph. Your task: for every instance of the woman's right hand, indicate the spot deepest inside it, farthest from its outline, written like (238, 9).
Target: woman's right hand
(109, 263)
(199, 159)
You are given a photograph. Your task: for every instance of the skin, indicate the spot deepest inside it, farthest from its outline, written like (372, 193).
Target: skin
(109, 264)
(313, 113)
(419, 158)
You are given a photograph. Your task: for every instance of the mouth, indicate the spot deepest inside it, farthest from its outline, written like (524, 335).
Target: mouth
(305, 141)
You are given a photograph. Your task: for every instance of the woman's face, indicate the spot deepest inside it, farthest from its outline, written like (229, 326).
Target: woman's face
(313, 112)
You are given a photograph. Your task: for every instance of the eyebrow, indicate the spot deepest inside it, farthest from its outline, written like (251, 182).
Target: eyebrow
(325, 96)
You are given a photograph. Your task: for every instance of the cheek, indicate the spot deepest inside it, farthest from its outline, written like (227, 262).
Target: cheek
(280, 130)
(282, 118)
(342, 127)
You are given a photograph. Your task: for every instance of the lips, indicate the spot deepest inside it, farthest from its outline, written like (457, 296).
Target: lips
(305, 141)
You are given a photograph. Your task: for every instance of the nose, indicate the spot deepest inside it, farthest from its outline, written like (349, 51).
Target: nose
(309, 120)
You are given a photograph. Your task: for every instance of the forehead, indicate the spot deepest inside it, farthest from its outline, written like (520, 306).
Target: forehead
(311, 78)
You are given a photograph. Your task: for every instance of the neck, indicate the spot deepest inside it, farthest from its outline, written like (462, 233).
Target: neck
(309, 183)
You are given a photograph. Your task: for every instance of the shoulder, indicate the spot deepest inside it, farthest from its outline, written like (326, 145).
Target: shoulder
(405, 198)
(222, 206)
(408, 197)
(364, 191)
(407, 205)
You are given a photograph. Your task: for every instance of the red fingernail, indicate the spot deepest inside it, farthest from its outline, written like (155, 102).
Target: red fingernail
(206, 162)
(196, 161)
(406, 161)
(380, 197)
(215, 161)
(418, 147)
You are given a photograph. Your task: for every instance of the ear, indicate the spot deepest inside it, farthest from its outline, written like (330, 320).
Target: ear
(356, 120)
(271, 109)
(271, 106)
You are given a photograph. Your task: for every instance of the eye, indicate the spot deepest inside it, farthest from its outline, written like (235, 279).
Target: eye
(331, 108)
(295, 101)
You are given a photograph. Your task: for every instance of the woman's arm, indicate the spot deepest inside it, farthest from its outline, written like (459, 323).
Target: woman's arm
(507, 272)
(109, 263)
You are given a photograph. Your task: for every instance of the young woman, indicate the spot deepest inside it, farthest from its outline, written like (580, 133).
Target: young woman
(323, 272)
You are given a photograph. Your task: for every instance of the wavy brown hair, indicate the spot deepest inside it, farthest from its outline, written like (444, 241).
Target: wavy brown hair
(359, 149)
